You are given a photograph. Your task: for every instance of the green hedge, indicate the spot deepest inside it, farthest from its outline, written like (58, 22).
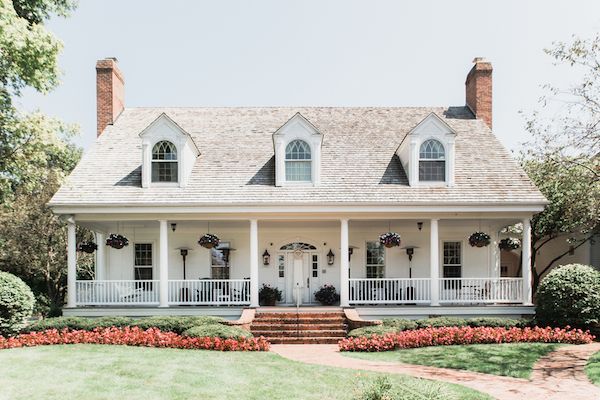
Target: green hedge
(166, 324)
(217, 330)
(16, 303)
(391, 325)
(570, 295)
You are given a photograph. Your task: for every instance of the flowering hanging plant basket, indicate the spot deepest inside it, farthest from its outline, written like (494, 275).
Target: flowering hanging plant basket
(87, 247)
(479, 239)
(390, 239)
(209, 241)
(509, 244)
(117, 241)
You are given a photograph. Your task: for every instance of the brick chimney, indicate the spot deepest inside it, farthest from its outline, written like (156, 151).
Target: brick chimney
(110, 92)
(479, 90)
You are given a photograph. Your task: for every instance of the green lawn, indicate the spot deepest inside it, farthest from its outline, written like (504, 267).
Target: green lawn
(115, 372)
(508, 359)
(593, 368)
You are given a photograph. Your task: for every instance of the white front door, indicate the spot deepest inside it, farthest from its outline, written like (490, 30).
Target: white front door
(301, 276)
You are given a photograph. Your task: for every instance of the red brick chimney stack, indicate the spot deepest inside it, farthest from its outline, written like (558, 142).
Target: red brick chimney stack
(479, 90)
(110, 92)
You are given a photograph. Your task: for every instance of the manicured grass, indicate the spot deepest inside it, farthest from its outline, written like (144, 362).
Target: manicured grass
(508, 359)
(115, 372)
(592, 368)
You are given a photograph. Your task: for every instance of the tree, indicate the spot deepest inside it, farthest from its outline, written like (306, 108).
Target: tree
(35, 150)
(563, 156)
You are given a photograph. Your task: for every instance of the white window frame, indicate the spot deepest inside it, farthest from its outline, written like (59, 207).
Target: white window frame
(382, 266)
(153, 266)
(427, 181)
(462, 254)
(292, 160)
(176, 161)
(210, 264)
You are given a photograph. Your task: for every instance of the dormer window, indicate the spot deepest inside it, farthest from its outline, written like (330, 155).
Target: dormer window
(298, 162)
(432, 162)
(164, 162)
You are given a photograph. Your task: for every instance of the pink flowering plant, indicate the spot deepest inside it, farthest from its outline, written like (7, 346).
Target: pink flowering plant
(117, 241)
(479, 239)
(133, 336)
(209, 241)
(446, 336)
(390, 239)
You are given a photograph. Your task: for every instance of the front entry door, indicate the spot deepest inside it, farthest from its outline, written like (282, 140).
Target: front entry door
(302, 277)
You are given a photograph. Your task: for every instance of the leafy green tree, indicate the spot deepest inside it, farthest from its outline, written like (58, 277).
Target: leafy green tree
(35, 150)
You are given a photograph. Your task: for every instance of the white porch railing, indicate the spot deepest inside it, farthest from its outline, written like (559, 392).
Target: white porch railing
(128, 292)
(210, 292)
(481, 290)
(390, 291)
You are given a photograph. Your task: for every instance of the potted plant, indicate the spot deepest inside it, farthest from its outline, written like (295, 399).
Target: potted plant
(479, 239)
(117, 241)
(327, 295)
(390, 239)
(509, 244)
(87, 247)
(209, 241)
(268, 295)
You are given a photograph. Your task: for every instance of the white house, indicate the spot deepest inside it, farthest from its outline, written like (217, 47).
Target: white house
(298, 197)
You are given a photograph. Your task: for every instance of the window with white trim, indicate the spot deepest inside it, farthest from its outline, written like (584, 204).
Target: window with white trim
(219, 261)
(375, 260)
(432, 161)
(164, 162)
(142, 269)
(452, 262)
(298, 162)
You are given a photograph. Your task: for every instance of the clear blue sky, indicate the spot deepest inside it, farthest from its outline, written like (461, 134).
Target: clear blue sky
(338, 53)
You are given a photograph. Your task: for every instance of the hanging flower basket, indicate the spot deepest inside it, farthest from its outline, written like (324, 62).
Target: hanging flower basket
(390, 239)
(509, 244)
(479, 239)
(87, 247)
(209, 241)
(117, 241)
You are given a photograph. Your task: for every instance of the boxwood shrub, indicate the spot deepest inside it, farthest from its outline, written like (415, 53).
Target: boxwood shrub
(16, 303)
(175, 324)
(217, 330)
(570, 295)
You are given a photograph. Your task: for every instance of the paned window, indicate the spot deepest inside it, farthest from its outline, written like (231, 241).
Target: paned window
(164, 162)
(298, 162)
(432, 162)
(375, 260)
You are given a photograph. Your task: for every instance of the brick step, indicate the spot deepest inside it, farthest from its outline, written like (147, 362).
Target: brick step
(305, 340)
(299, 315)
(300, 327)
(339, 333)
(303, 320)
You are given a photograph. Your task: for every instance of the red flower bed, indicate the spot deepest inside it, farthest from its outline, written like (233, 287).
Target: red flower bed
(132, 337)
(464, 335)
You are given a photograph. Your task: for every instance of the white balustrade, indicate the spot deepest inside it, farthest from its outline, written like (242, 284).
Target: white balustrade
(209, 292)
(481, 290)
(130, 292)
(390, 291)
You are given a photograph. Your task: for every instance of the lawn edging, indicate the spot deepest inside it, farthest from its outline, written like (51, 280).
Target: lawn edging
(132, 336)
(444, 336)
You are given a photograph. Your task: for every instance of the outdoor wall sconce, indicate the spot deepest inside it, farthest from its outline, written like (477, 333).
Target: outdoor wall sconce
(173, 226)
(420, 225)
(266, 258)
(330, 257)
(350, 251)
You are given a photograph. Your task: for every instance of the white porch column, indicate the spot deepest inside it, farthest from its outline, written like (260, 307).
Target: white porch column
(101, 256)
(526, 266)
(71, 264)
(344, 264)
(253, 263)
(434, 263)
(163, 266)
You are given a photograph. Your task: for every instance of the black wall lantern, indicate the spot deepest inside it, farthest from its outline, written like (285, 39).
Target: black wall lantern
(420, 225)
(330, 257)
(266, 258)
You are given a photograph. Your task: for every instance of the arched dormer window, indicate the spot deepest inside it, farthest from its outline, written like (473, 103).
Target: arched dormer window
(164, 162)
(432, 161)
(298, 162)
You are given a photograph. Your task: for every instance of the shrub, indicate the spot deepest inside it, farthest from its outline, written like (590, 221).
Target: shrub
(569, 295)
(268, 295)
(16, 303)
(382, 389)
(132, 337)
(463, 335)
(438, 322)
(400, 324)
(217, 330)
(372, 330)
(327, 295)
(175, 324)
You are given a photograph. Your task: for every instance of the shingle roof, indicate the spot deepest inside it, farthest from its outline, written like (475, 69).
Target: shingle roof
(237, 161)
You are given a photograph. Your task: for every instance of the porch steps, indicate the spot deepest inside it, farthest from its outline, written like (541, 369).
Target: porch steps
(323, 327)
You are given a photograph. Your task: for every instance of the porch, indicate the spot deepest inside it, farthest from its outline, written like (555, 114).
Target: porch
(302, 255)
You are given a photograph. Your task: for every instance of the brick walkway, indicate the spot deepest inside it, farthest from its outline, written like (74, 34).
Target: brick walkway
(559, 375)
